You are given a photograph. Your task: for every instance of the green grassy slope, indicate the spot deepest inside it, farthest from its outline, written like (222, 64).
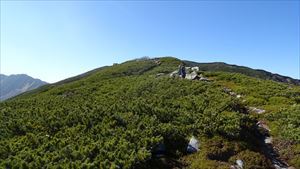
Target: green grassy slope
(114, 117)
(257, 73)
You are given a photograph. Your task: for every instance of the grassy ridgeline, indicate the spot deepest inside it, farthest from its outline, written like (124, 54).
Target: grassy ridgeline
(115, 116)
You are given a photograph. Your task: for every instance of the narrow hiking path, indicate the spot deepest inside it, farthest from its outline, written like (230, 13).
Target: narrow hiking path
(262, 134)
(267, 148)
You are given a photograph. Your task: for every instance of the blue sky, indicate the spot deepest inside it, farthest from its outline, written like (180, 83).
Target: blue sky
(55, 40)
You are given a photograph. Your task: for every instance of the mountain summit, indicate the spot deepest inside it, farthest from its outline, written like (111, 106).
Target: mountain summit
(13, 85)
(141, 114)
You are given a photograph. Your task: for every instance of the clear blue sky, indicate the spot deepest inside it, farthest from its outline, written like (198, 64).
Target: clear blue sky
(56, 40)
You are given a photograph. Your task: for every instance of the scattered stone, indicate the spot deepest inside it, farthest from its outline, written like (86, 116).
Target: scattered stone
(278, 167)
(240, 163)
(204, 79)
(232, 94)
(156, 61)
(268, 140)
(263, 125)
(159, 74)
(193, 145)
(227, 90)
(232, 167)
(256, 110)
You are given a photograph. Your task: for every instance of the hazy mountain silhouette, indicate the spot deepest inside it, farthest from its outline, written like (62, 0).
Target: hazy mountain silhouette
(16, 84)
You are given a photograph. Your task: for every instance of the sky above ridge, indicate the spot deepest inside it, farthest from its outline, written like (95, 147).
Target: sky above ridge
(54, 40)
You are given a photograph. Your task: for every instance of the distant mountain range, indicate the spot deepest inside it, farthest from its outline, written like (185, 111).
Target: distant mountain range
(13, 85)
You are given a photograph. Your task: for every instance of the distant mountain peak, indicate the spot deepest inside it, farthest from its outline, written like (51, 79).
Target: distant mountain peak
(16, 84)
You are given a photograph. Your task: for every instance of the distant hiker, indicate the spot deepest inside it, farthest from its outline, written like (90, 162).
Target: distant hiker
(181, 71)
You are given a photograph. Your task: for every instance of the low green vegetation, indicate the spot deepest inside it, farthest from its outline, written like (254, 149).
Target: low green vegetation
(115, 117)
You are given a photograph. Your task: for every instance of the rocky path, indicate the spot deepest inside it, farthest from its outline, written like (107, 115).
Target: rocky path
(265, 143)
(262, 133)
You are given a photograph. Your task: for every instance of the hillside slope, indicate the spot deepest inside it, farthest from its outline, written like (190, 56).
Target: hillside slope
(13, 85)
(262, 74)
(120, 116)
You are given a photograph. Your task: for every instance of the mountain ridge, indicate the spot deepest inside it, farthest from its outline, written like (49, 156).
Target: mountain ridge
(209, 66)
(258, 73)
(16, 84)
(135, 115)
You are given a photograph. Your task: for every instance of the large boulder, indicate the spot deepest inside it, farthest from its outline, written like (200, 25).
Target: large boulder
(192, 76)
(174, 74)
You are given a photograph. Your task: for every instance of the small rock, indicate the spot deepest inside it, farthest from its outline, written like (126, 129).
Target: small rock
(159, 74)
(268, 140)
(193, 145)
(232, 167)
(227, 90)
(204, 79)
(240, 163)
(157, 62)
(278, 167)
(263, 125)
(256, 110)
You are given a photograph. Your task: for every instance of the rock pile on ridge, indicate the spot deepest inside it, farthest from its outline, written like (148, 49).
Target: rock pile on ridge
(192, 73)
